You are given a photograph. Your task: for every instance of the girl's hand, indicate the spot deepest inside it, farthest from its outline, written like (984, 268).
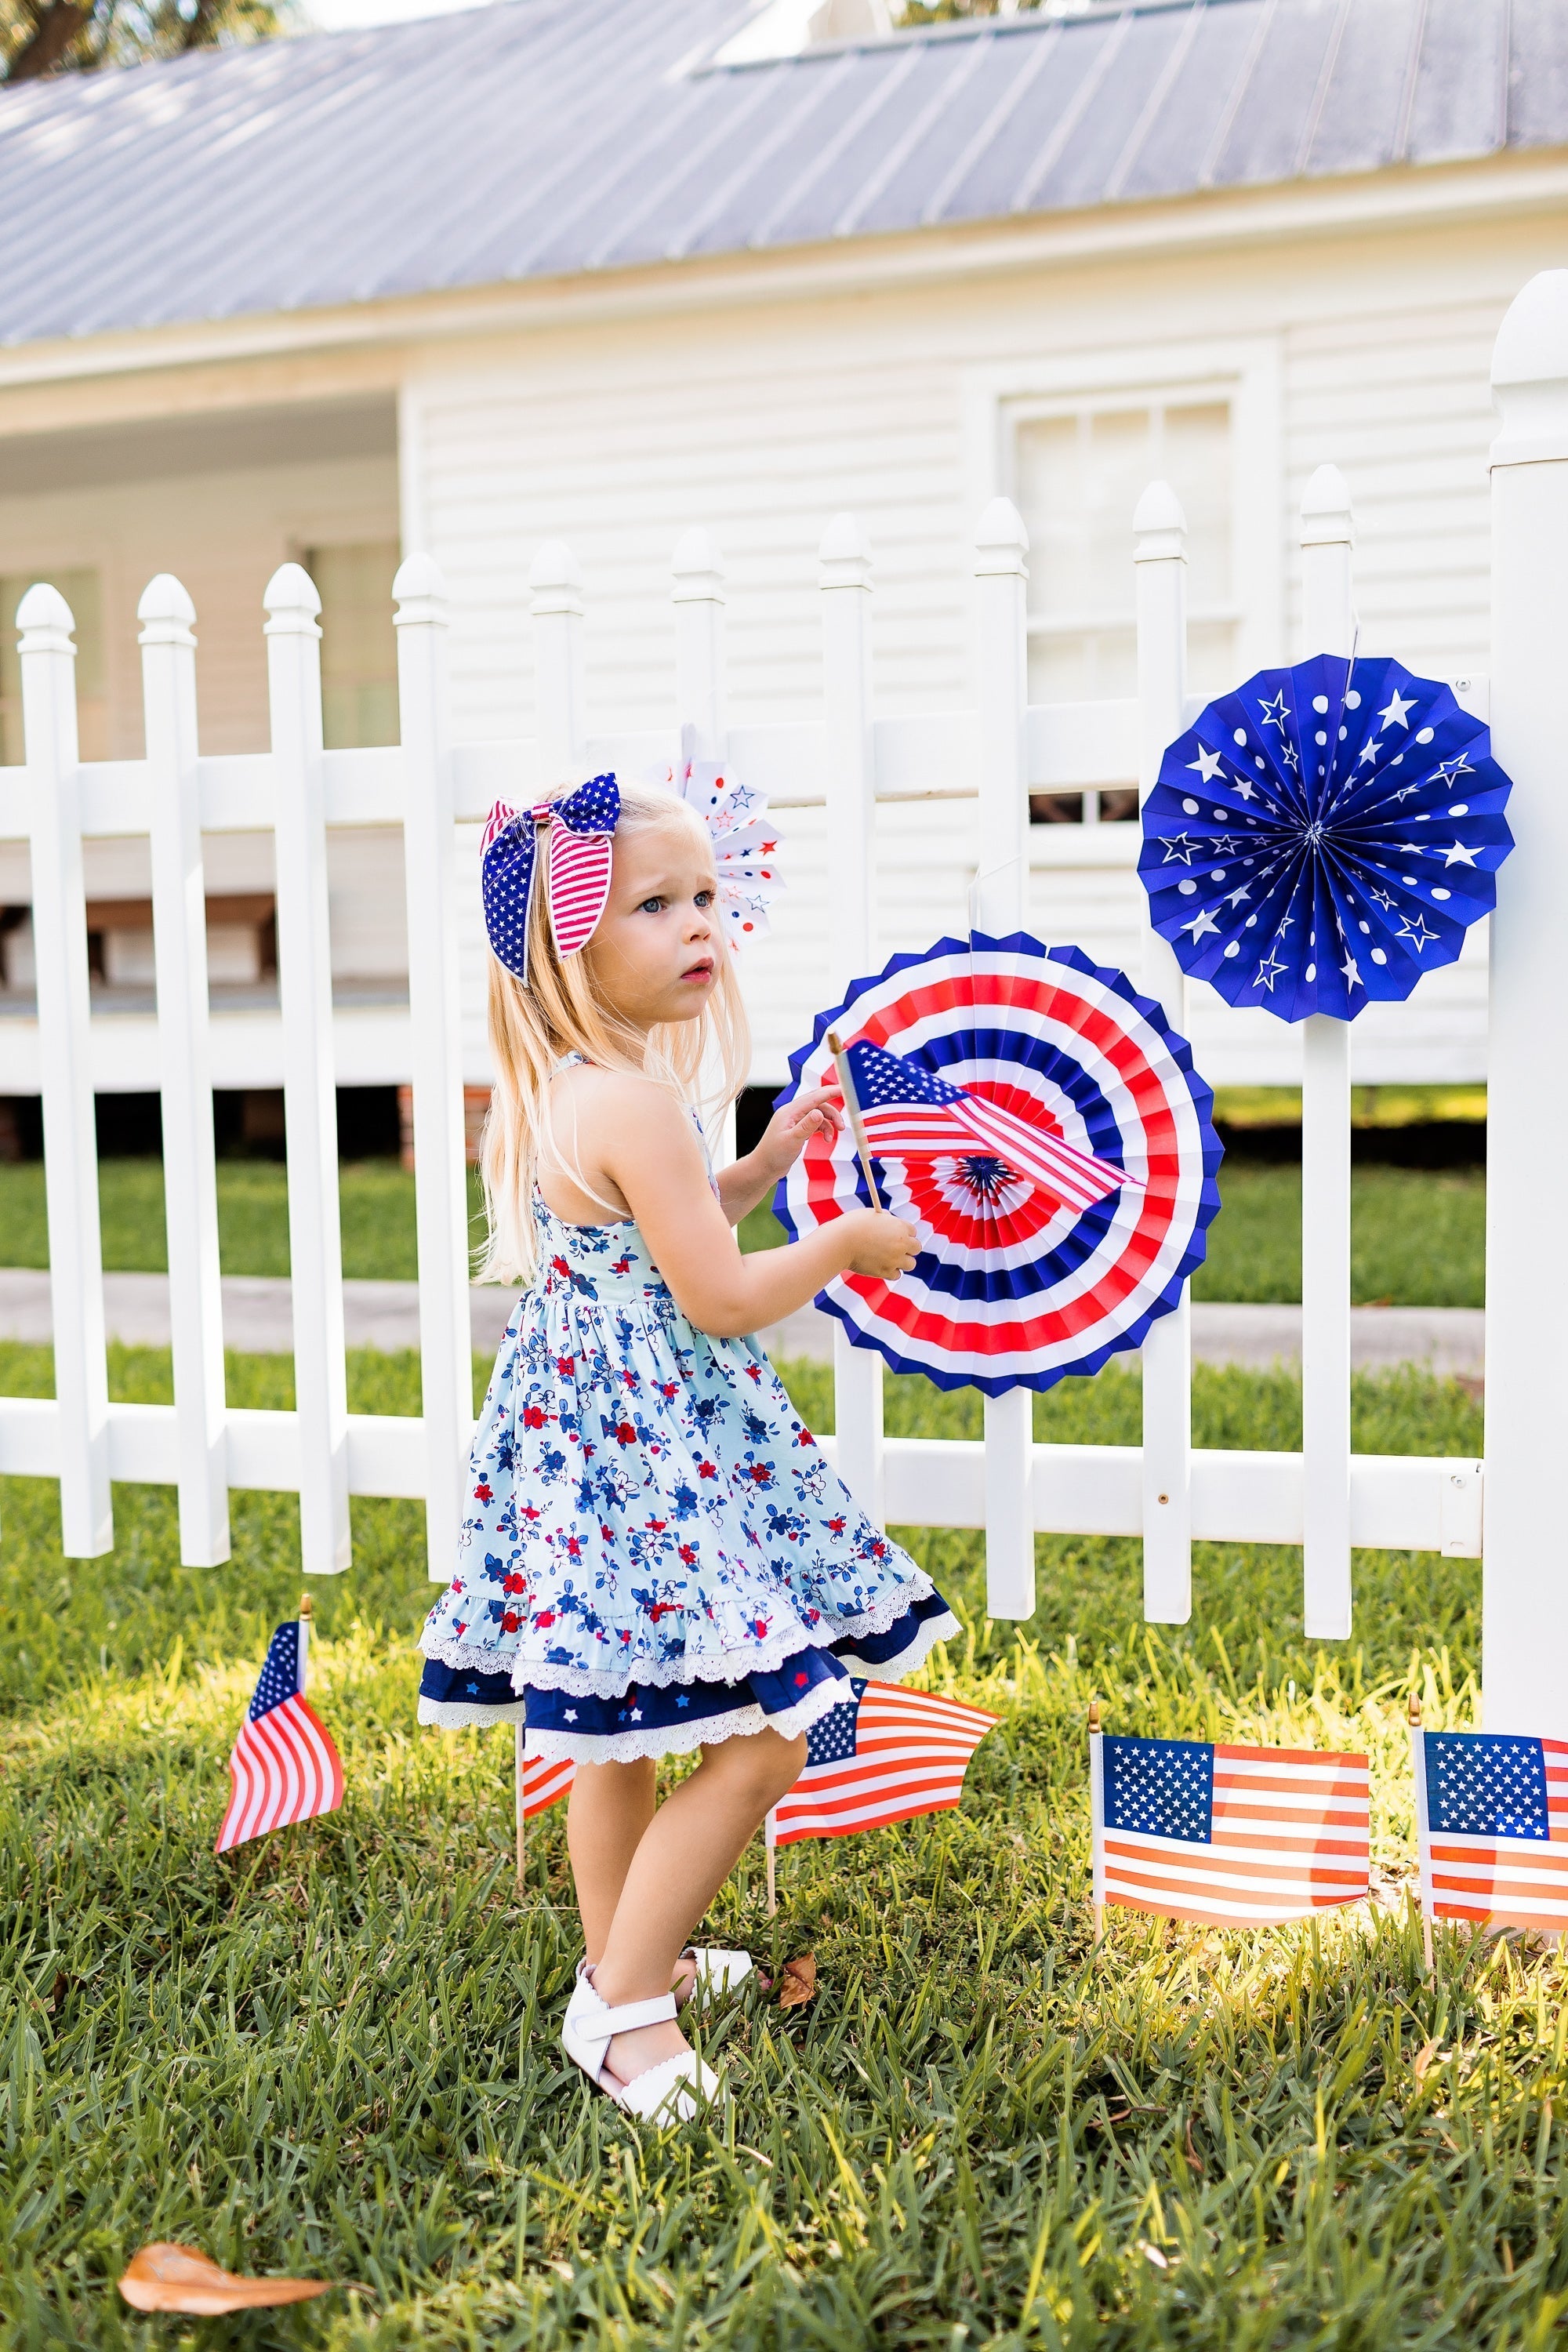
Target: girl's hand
(818, 1111)
(883, 1245)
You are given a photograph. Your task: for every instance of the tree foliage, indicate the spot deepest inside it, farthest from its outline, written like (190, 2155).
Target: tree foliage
(51, 37)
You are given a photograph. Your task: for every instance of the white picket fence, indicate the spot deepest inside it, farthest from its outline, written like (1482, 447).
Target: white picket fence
(1326, 1499)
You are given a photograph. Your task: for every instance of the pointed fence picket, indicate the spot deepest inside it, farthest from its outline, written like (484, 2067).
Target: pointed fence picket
(847, 762)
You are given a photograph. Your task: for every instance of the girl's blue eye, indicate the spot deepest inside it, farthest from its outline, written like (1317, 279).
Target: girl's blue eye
(650, 906)
(705, 898)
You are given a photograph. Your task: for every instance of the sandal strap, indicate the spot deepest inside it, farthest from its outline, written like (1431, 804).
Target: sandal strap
(599, 2024)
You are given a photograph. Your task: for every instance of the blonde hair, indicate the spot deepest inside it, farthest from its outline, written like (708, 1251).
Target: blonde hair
(558, 1010)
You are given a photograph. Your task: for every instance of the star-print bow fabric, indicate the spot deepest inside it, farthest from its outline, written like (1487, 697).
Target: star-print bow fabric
(745, 846)
(579, 827)
(1324, 836)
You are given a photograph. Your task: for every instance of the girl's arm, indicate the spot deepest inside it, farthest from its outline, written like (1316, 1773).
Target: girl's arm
(746, 1182)
(643, 1141)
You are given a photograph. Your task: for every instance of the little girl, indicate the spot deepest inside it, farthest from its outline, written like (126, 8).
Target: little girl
(656, 1557)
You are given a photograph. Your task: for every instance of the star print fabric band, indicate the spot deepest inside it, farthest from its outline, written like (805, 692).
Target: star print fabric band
(1323, 835)
(579, 827)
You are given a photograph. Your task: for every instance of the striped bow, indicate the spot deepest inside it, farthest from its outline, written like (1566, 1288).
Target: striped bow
(580, 826)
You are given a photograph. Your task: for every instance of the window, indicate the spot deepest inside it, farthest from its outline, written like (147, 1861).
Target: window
(83, 593)
(1079, 470)
(358, 643)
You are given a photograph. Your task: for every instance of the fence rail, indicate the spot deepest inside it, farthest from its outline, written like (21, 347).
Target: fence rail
(1326, 1498)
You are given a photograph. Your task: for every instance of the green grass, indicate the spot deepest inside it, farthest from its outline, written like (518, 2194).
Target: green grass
(334, 2052)
(1418, 1239)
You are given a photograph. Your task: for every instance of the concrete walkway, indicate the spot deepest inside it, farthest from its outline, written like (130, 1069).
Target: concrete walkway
(257, 1321)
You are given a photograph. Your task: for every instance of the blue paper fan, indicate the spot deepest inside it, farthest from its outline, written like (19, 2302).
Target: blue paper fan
(1324, 836)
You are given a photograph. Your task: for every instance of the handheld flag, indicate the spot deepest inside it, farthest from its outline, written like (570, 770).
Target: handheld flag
(1234, 1837)
(284, 1767)
(909, 1112)
(544, 1780)
(1492, 1814)
(885, 1755)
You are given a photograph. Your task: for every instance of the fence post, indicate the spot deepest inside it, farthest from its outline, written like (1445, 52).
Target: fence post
(1328, 626)
(436, 1062)
(699, 642)
(70, 1136)
(310, 1097)
(1000, 907)
(1524, 1589)
(555, 587)
(1160, 557)
(844, 579)
(185, 1054)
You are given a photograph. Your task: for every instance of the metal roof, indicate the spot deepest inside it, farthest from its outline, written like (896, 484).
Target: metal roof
(536, 138)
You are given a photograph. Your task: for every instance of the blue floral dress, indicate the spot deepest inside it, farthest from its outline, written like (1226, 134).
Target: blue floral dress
(656, 1553)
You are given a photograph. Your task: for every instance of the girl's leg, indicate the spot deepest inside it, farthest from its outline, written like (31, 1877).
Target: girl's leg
(684, 1856)
(607, 1812)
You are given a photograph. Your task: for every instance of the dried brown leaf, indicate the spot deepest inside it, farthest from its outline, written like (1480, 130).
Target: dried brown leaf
(178, 2278)
(797, 1983)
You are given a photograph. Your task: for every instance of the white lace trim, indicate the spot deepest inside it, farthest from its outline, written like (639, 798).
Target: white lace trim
(905, 1661)
(730, 1666)
(453, 1714)
(680, 1738)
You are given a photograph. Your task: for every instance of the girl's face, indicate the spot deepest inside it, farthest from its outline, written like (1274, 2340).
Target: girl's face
(655, 951)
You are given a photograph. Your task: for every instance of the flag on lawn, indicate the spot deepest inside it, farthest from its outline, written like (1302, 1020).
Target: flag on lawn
(284, 1767)
(544, 1783)
(1492, 1810)
(885, 1755)
(1232, 1836)
(908, 1111)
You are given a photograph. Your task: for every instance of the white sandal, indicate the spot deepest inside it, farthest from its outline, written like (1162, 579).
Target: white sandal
(664, 2090)
(717, 1970)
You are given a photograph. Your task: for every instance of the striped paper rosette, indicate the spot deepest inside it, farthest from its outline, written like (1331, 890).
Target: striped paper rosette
(1012, 1288)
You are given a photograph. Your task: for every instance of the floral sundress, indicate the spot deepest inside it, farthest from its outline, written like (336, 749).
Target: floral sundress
(656, 1553)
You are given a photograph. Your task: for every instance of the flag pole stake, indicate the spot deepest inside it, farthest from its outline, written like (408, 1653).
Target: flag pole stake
(852, 1106)
(1425, 1921)
(307, 1611)
(520, 1797)
(771, 1847)
(1094, 1734)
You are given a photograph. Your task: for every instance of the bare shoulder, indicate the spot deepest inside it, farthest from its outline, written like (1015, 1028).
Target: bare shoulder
(620, 1107)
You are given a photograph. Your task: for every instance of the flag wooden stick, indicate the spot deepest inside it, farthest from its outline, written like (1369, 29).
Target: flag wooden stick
(307, 1611)
(770, 1843)
(520, 1797)
(1094, 1734)
(852, 1107)
(1426, 1922)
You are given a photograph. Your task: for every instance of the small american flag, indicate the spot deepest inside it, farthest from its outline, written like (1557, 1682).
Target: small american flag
(544, 1783)
(284, 1767)
(885, 1755)
(908, 1111)
(1232, 1836)
(1492, 1809)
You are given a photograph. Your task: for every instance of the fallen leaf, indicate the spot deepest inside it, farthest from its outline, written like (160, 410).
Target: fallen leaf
(1423, 2060)
(178, 2278)
(799, 1981)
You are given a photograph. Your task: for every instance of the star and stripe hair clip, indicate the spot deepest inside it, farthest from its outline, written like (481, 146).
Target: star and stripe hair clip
(579, 826)
(745, 846)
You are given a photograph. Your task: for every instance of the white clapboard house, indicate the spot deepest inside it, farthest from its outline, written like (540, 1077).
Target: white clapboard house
(601, 271)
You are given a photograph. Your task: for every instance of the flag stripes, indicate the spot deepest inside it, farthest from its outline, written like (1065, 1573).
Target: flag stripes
(545, 1782)
(905, 1753)
(284, 1768)
(1271, 1834)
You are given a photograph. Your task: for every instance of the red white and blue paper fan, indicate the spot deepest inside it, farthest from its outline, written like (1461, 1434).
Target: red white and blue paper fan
(745, 846)
(1012, 1289)
(1324, 836)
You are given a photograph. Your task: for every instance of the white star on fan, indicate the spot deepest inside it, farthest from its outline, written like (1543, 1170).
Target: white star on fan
(1273, 713)
(1268, 972)
(1237, 897)
(1349, 968)
(1365, 756)
(1208, 765)
(1202, 921)
(1417, 932)
(1405, 792)
(1393, 713)
(1448, 771)
(1178, 849)
(1244, 790)
(1461, 856)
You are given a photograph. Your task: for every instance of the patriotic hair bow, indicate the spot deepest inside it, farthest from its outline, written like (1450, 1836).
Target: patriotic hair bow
(580, 826)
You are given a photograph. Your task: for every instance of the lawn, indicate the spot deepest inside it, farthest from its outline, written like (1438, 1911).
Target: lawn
(334, 2052)
(1418, 1238)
